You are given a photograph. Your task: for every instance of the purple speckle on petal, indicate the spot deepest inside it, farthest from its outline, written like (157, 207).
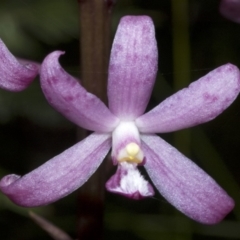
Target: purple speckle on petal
(68, 98)
(210, 98)
(53, 80)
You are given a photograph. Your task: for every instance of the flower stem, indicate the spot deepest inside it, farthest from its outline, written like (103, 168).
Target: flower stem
(94, 51)
(94, 45)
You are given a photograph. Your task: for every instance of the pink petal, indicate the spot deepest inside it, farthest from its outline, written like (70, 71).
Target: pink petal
(128, 181)
(15, 75)
(59, 176)
(133, 67)
(183, 183)
(230, 9)
(202, 101)
(68, 97)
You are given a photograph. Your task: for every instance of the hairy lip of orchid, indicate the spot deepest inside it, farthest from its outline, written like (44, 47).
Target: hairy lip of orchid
(131, 133)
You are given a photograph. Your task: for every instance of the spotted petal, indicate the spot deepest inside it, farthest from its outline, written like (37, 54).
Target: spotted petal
(59, 176)
(230, 9)
(133, 67)
(183, 183)
(202, 101)
(68, 97)
(15, 75)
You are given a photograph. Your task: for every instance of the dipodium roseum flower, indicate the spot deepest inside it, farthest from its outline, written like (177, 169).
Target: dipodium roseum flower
(230, 9)
(16, 75)
(131, 133)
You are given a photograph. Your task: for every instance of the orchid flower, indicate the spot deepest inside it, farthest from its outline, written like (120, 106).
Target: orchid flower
(131, 133)
(230, 9)
(16, 75)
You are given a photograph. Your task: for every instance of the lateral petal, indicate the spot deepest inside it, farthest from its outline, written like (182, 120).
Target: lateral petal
(183, 183)
(68, 97)
(15, 75)
(202, 101)
(59, 176)
(230, 9)
(133, 67)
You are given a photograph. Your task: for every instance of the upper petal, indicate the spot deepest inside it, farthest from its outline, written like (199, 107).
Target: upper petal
(59, 176)
(202, 101)
(67, 96)
(15, 75)
(183, 183)
(133, 67)
(230, 9)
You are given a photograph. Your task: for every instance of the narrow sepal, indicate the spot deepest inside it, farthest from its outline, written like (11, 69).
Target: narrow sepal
(59, 176)
(15, 75)
(133, 67)
(202, 101)
(68, 97)
(183, 183)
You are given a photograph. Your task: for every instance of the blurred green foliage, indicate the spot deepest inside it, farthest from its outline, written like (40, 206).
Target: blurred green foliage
(32, 132)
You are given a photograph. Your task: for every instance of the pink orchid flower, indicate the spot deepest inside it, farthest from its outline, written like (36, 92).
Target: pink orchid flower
(131, 133)
(230, 9)
(16, 75)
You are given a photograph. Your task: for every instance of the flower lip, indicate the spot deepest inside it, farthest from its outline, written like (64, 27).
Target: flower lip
(129, 182)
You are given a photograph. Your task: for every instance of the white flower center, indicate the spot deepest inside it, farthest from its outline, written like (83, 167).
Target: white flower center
(126, 145)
